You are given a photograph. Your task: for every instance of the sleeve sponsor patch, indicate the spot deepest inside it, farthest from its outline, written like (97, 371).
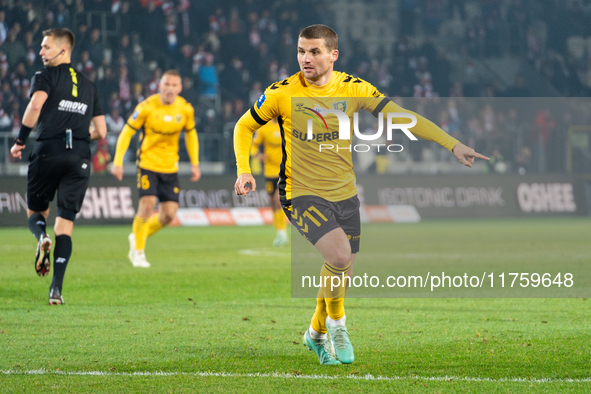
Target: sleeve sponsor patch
(261, 100)
(135, 115)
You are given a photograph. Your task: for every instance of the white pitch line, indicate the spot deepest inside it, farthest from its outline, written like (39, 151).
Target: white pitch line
(293, 376)
(265, 253)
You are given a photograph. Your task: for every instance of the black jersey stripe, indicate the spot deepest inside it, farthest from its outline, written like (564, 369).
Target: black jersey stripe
(127, 123)
(139, 148)
(380, 107)
(257, 117)
(282, 184)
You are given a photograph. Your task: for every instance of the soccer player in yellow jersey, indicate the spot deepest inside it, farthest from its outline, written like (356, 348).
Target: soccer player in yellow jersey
(318, 189)
(163, 117)
(269, 136)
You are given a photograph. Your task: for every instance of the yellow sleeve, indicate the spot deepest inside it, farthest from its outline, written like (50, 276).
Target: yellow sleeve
(370, 97)
(243, 131)
(192, 143)
(424, 129)
(257, 142)
(137, 119)
(123, 144)
(190, 113)
(266, 107)
(191, 139)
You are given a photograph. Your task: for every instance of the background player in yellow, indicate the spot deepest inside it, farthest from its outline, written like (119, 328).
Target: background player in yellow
(163, 117)
(269, 136)
(321, 199)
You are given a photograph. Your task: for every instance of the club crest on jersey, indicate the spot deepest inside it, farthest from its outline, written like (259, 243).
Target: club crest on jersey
(300, 107)
(340, 106)
(178, 118)
(261, 100)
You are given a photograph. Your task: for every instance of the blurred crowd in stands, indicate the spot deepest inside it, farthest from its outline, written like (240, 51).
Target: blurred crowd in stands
(228, 52)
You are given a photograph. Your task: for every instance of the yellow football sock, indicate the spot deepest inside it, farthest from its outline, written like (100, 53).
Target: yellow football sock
(140, 231)
(335, 289)
(154, 224)
(279, 219)
(318, 322)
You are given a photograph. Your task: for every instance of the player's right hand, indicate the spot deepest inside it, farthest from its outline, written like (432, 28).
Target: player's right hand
(17, 151)
(242, 184)
(117, 171)
(466, 154)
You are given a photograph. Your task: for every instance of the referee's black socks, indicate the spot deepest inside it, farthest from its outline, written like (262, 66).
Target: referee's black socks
(61, 256)
(37, 225)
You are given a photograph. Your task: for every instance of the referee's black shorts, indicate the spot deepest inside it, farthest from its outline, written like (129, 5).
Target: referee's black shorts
(67, 174)
(314, 217)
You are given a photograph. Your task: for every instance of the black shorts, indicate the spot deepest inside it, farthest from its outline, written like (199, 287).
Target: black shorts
(315, 217)
(165, 186)
(271, 185)
(68, 174)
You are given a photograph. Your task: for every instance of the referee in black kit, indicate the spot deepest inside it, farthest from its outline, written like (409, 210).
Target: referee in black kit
(66, 108)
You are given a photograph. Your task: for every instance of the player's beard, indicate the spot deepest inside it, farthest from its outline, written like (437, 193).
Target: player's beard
(317, 76)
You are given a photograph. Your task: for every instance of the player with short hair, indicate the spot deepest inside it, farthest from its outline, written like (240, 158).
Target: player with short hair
(269, 136)
(67, 110)
(163, 116)
(324, 188)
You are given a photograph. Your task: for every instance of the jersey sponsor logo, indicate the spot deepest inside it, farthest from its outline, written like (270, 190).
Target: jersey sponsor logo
(159, 132)
(345, 124)
(341, 106)
(317, 118)
(72, 106)
(318, 137)
(261, 100)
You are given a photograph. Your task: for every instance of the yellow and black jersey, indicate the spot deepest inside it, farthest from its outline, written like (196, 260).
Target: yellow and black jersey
(305, 169)
(161, 126)
(269, 136)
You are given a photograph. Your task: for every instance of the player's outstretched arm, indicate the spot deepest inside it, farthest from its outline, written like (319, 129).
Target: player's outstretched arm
(466, 154)
(244, 184)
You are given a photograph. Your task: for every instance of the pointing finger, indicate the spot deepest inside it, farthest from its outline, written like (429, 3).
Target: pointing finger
(478, 155)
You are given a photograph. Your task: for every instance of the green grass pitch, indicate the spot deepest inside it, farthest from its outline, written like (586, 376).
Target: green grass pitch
(209, 316)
